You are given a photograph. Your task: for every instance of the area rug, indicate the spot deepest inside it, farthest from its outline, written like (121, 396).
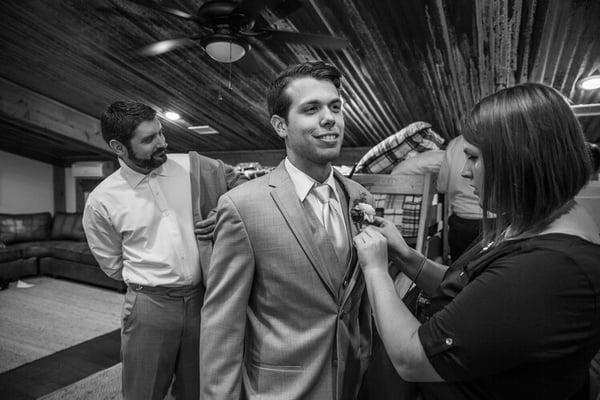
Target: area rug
(52, 315)
(103, 385)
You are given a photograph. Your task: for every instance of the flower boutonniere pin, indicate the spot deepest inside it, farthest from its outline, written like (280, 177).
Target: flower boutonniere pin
(362, 212)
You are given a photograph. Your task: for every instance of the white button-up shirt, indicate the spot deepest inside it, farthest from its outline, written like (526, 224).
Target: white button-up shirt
(303, 185)
(140, 227)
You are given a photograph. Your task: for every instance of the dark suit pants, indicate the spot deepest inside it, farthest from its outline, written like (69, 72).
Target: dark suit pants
(160, 339)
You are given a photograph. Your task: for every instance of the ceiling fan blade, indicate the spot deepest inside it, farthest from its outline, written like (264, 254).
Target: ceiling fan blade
(167, 10)
(323, 41)
(288, 7)
(164, 46)
(251, 8)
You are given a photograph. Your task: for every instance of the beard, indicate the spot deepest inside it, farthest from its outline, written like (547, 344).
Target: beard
(158, 158)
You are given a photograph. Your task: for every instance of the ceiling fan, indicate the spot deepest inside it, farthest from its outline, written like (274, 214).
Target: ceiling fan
(227, 25)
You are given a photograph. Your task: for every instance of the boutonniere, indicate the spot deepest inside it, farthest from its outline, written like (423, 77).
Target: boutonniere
(362, 212)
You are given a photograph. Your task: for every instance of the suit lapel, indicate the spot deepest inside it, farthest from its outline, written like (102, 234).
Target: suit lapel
(351, 192)
(284, 196)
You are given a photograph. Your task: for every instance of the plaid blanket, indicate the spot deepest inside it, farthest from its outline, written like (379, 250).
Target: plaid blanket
(416, 137)
(403, 210)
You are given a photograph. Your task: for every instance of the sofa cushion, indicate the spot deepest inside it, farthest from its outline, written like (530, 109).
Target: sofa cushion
(16, 228)
(67, 226)
(60, 249)
(67, 250)
(9, 254)
(88, 258)
(34, 249)
(78, 271)
(12, 270)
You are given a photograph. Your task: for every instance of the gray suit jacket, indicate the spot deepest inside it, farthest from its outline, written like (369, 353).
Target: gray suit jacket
(209, 179)
(273, 324)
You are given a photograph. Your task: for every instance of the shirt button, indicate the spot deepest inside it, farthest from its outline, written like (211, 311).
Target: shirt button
(165, 213)
(345, 283)
(449, 341)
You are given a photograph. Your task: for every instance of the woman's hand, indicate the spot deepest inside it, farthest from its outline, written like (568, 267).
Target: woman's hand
(372, 250)
(395, 241)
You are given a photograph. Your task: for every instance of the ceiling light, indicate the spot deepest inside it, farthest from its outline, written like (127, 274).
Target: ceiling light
(590, 83)
(225, 48)
(173, 116)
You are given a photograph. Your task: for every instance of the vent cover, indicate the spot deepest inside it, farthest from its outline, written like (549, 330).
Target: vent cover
(203, 130)
(586, 110)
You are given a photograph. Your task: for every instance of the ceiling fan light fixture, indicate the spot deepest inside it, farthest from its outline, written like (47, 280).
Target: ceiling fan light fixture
(225, 48)
(590, 83)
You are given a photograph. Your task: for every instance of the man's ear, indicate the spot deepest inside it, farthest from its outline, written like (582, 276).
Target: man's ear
(278, 123)
(117, 147)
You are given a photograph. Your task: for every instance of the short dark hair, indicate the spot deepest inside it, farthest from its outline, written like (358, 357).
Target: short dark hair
(121, 118)
(278, 102)
(534, 156)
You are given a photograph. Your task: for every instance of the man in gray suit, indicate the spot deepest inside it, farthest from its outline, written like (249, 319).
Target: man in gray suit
(285, 314)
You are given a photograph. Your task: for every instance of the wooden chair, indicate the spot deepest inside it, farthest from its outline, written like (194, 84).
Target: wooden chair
(412, 202)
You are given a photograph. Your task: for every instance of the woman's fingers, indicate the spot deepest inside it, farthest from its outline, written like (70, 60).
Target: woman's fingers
(372, 249)
(370, 239)
(374, 234)
(379, 221)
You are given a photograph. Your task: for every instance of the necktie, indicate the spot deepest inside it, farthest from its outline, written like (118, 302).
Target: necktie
(332, 220)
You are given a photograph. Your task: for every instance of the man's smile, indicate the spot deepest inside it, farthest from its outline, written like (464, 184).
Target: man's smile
(328, 136)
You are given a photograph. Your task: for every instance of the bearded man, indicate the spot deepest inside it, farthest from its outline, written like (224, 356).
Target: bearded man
(139, 224)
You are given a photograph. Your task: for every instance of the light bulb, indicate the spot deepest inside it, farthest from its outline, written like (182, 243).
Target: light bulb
(590, 83)
(173, 116)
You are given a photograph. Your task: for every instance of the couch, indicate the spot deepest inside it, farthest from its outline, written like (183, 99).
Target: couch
(33, 244)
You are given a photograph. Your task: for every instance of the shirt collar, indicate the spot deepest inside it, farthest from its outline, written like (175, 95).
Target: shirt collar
(134, 178)
(304, 183)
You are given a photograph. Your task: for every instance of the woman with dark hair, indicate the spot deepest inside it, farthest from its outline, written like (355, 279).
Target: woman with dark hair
(517, 316)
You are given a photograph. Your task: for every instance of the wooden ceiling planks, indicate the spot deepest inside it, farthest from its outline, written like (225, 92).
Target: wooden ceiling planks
(427, 60)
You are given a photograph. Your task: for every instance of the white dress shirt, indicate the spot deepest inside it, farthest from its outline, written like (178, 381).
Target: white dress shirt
(463, 202)
(140, 227)
(303, 185)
